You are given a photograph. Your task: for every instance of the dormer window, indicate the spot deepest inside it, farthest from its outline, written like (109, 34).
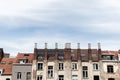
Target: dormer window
(107, 57)
(26, 54)
(10, 62)
(21, 61)
(3, 62)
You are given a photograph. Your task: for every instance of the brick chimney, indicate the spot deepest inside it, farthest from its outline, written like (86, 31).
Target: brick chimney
(67, 51)
(45, 45)
(35, 51)
(78, 51)
(89, 51)
(99, 51)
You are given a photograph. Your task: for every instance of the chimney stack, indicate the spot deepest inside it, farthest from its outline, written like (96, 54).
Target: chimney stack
(89, 46)
(45, 45)
(78, 44)
(99, 46)
(56, 45)
(35, 45)
(68, 45)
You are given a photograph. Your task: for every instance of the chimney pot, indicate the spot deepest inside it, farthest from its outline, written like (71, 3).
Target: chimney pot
(78, 45)
(68, 45)
(56, 45)
(89, 46)
(35, 45)
(99, 46)
(45, 45)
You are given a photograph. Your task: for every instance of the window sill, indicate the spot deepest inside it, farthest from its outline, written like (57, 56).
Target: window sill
(40, 69)
(50, 77)
(74, 70)
(60, 70)
(86, 78)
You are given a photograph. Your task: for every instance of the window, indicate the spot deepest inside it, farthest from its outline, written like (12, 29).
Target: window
(61, 66)
(40, 66)
(23, 61)
(74, 77)
(10, 62)
(7, 78)
(50, 71)
(74, 66)
(3, 62)
(39, 77)
(94, 55)
(111, 79)
(95, 66)
(110, 69)
(108, 57)
(19, 75)
(28, 76)
(85, 71)
(61, 77)
(96, 77)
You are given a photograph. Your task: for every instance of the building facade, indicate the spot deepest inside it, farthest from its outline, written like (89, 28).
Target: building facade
(22, 69)
(75, 64)
(61, 64)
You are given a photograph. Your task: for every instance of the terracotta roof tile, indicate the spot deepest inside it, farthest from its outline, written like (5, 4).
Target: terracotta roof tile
(7, 66)
(29, 56)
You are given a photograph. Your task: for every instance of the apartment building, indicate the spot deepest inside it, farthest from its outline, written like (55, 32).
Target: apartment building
(5, 65)
(22, 69)
(75, 64)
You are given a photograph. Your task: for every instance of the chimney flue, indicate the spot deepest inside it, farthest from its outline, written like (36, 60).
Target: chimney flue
(89, 46)
(68, 45)
(99, 46)
(45, 45)
(78, 45)
(56, 45)
(35, 45)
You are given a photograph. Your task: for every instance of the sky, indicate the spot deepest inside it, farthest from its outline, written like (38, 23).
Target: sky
(25, 22)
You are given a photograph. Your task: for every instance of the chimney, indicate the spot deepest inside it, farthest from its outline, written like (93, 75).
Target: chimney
(89, 46)
(45, 45)
(68, 45)
(56, 45)
(99, 46)
(78, 45)
(35, 45)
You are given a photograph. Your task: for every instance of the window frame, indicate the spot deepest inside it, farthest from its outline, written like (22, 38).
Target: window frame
(74, 66)
(50, 72)
(39, 77)
(95, 66)
(110, 69)
(28, 76)
(61, 77)
(61, 66)
(40, 66)
(85, 72)
(19, 75)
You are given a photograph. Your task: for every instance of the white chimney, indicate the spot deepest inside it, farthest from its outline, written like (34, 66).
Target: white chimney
(78, 44)
(45, 45)
(68, 45)
(99, 46)
(56, 45)
(35, 45)
(89, 46)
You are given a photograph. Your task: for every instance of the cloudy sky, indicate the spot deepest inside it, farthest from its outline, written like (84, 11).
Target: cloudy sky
(25, 22)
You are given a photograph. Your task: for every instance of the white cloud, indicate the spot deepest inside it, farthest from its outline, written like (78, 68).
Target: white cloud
(91, 15)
